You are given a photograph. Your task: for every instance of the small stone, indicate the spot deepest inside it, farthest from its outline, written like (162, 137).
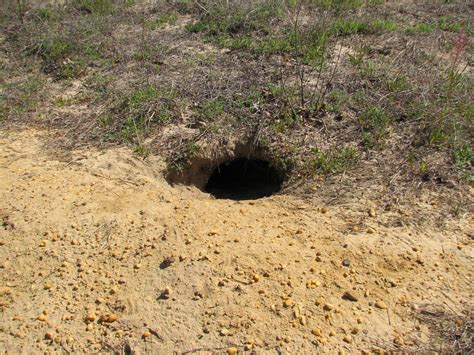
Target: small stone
(398, 341)
(328, 307)
(90, 317)
(108, 318)
(324, 210)
(224, 332)
(380, 305)
(43, 243)
(221, 283)
(317, 332)
(165, 294)
(167, 262)
(347, 339)
(49, 336)
(349, 296)
(346, 263)
(47, 286)
(146, 334)
(288, 302)
(42, 317)
(232, 350)
(370, 230)
(372, 212)
(355, 330)
(256, 278)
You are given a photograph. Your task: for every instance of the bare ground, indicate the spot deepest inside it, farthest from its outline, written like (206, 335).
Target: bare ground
(99, 253)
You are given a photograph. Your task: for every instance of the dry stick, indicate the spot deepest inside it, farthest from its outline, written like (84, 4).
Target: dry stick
(331, 78)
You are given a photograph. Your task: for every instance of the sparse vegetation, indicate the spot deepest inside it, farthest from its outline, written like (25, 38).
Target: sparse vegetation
(275, 71)
(334, 161)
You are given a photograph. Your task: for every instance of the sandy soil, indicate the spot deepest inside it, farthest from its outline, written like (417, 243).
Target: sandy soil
(99, 253)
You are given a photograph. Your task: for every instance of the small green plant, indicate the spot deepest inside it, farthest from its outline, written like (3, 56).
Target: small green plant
(211, 109)
(350, 27)
(384, 25)
(335, 160)
(142, 95)
(99, 7)
(447, 24)
(142, 151)
(168, 18)
(420, 28)
(375, 123)
(397, 84)
(183, 156)
(464, 160)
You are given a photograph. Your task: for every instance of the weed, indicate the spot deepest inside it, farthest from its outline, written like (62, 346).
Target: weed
(183, 156)
(142, 95)
(211, 109)
(142, 151)
(100, 7)
(447, 24)
(464, 161)
(350, 27)
(375, 122)
(168, 18)
(384, 25)
(421, 28)
(336, 99)
(397, 84)
(334, 161)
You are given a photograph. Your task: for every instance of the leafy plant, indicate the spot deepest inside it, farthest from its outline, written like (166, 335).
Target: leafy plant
(334, 161)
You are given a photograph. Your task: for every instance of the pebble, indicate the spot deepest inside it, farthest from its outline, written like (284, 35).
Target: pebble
(347, 339)
(380, 305)
(43, 243)
(224, 332)
(370, 230)
(49, 336)
(398, 341)
(349, 296)
(372, 212)
(42, 317)
(346, 263)
(288, 302)
(317, 332)
(232, 350)
(108, 318)
(328, 307)
(90, 317)
(256, 278)
(324, 210)
(146, 334)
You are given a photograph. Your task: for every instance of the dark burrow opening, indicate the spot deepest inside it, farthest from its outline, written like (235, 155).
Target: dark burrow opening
(244, 179)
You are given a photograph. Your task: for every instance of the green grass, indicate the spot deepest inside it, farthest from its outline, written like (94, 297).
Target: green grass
(350, 27)
(375, 122)
(168, 18)
(334, 161)
(464, 160)
(211, 109)
(333, 4)
(99, 7)
(142, 95)
(421, 28)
